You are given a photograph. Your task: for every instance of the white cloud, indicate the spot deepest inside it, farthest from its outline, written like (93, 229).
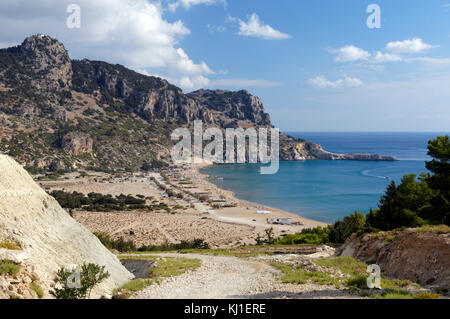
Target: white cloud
(215, 28)
(256, 28)
(430, 60)
(394, 52)
(399, 50)
(133, 33)
(387, 57)
(323, 82)
(349, 53)
(244, 83)
(415, 45)
(192, 82)
(401, 105)
(187, 4)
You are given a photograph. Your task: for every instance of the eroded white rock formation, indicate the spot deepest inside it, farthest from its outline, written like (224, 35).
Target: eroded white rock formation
(49, 236)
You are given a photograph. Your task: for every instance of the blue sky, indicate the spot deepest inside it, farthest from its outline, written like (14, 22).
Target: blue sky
(315, 27)
(315, 64)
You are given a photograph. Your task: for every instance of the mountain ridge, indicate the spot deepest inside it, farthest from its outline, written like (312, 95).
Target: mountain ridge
(61, 114)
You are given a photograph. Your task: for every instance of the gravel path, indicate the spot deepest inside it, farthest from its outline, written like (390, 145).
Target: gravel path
(230, 277)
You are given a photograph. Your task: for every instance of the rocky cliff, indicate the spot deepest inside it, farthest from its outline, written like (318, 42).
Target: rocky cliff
(61, 113)
(48, 237)
(233, 109)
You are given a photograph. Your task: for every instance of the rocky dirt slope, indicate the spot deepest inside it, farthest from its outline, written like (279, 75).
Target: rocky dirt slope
(49, 237)
(20, 285)
(418, 255)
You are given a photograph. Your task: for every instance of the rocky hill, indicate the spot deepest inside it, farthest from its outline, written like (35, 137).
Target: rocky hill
(61, 114)
(47, 236)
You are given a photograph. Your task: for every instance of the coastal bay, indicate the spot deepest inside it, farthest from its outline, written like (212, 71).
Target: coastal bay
(329, 190)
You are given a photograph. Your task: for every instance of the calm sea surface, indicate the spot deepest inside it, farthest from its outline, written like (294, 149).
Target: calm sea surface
(329, 190)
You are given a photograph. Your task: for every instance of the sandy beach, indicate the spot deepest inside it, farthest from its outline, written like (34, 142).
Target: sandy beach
(222, 220)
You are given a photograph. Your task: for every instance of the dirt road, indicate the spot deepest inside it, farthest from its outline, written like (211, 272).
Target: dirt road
(230, 277)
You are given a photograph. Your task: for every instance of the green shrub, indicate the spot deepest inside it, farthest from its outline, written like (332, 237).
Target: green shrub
(337, 233)
(118, 244)
(394, 294)
(98, 202)
(437, 229)
(8, 267)
(341, 230)
(90, 276)
(37, 289)
(10, 245)
(395, 283)
(301, 238)
(357, 281)
(427, 295)
(269, 238)
(183, 245)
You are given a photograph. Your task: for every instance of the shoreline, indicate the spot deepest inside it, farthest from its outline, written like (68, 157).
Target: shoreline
(223, 220)
(249, 215)
(261, 206)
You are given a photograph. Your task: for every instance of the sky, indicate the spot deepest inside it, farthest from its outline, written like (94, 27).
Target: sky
(316, 65)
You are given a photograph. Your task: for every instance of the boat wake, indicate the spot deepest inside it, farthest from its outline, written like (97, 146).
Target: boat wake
(369, 173)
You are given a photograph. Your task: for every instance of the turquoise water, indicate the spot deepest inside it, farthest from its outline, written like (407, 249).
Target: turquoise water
(329, 190)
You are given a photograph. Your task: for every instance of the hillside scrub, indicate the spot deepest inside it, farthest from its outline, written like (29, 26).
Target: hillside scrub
(197, 243)
(120, 244)
(98, 202)
(124, 246)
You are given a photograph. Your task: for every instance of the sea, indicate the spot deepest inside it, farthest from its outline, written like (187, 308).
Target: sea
(329, 190)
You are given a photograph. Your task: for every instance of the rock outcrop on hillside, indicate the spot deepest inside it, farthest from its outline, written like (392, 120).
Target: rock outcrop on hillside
(230, 108)
(49, 237)
(77, 143)
(418, 255)
(124, 118)
(49, 59)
